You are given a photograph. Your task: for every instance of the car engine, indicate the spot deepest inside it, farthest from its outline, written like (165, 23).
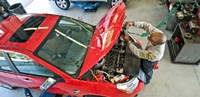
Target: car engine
(115, 67)
(112, 65)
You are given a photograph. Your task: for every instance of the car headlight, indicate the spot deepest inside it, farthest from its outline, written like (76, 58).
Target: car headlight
(129, 86)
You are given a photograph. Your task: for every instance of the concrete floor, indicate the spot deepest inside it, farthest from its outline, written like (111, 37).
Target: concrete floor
(170, 80)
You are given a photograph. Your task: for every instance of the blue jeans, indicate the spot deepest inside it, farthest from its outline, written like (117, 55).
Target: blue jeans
(147, 67)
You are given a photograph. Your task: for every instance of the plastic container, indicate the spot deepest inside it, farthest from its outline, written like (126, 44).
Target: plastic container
(17, 8)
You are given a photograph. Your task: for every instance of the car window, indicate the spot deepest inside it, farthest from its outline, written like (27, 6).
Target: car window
(26, 30)
(3, 64)
(26, 65)
(66, 45)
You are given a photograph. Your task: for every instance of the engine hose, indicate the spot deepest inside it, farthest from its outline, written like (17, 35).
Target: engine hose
(94, 75)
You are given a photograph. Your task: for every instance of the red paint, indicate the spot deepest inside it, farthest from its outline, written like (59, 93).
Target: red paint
(106, 34)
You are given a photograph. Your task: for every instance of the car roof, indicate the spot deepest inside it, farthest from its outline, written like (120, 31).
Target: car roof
(10, 25)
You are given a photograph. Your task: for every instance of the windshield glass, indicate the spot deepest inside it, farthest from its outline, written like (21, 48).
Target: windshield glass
(66, 45)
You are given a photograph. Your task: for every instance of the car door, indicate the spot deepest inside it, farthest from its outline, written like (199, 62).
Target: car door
(7, 74)
(33, 74)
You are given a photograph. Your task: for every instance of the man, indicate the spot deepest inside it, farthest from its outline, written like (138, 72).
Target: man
(154, 50)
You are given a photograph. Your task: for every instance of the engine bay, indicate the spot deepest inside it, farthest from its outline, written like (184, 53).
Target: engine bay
(112, 65)
(117, 66)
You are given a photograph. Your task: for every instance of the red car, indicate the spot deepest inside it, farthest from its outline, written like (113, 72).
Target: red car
(66, 56)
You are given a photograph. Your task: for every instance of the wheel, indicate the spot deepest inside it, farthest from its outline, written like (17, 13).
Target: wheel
(63, 4)
(114, 2)
(7, 86)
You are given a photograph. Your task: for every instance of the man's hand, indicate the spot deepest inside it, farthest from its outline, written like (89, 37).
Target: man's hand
(126, 38)
(129, 23)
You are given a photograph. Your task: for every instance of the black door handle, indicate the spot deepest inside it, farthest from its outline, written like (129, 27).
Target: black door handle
(27, 80)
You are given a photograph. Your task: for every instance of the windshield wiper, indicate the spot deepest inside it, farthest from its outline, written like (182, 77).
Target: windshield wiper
(27, 29)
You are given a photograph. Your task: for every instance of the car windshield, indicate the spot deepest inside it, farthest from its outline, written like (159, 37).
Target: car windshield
(66, 45)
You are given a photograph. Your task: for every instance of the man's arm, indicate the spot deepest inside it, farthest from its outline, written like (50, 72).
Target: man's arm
(144, 54)
(144, 25)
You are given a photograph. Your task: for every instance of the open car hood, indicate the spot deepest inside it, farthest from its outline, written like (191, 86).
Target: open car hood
(106, 34)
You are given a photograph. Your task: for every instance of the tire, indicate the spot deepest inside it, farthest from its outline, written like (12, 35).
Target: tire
(63, 4)
(7, 86)
(114, 2)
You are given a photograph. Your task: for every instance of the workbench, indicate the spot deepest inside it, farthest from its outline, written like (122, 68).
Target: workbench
(183, 50)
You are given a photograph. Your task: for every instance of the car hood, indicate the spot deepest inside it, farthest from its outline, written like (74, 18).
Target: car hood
(106, 34)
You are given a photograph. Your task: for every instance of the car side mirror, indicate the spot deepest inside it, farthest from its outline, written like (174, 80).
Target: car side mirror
(49, 82)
